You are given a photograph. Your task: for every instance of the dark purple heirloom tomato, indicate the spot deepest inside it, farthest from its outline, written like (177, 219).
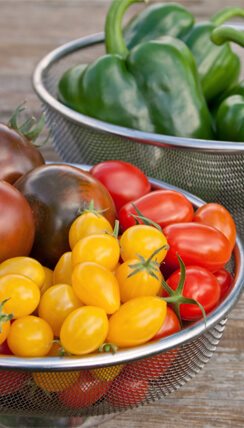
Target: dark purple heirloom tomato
(57, 194)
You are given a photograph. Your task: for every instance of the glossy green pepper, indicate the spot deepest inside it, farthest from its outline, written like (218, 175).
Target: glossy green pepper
(158, 20)
(153, 88)
(218, 66)
(230, 119)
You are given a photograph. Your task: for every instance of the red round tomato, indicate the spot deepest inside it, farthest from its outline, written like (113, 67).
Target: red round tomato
(219, 217)
(197, 244)
(200, 285)
(124, 181)
(127, 391)
(57, 194)
(4, 349)
(164, 207)
(151, 368)
(170, 325)
(12, 381)
(225, 281)
(85, 392)
(16, 223)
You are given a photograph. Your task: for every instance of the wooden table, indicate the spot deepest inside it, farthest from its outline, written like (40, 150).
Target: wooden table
(29, 29)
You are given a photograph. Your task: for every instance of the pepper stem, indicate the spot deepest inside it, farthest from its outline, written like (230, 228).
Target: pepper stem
(227, 13)
(114, 39)
(221, 35)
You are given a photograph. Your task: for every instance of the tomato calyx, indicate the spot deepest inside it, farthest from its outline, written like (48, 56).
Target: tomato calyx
(31, 128)
(4, 317)
(150, 265)
(176, 297)
(61, 352)
(145, 220)
(91, 209)
(108, 347)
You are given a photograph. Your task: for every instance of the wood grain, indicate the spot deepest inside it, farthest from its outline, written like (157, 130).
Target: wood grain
(29, 29)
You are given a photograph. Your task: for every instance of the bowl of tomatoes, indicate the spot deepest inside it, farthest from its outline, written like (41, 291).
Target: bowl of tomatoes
(121, 295)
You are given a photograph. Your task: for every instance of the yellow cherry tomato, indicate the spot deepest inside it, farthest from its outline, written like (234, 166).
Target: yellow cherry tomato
(88, 223)
(55, 381)
(107, 374)
(56, 303)
(101, 249)
(96, 286)
(63, 270)
(144, 240)
(4, 322)
(22, 292)
(30, 337)
(26, 266)
(137, 321)
(137, 279)
(84, 330)
(48, 281)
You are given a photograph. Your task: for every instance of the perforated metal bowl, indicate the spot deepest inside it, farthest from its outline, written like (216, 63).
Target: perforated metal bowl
(213, 170)
(164, 366)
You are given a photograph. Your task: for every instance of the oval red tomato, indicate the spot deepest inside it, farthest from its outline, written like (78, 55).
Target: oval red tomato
(164, 207)
(200, 285)
(124, 181)
(197, 244)
(219, 217)
(57, 194)
(12, 381)
(225, 281)
(170, 325)
(85, 392)
(151, 368)
(127, 391)
(17, 226)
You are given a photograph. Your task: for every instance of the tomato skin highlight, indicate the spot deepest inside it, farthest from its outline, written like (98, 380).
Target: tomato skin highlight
(30, 337)
(56, 304)
(88, 223)
(225, 281)
(85, 392)
(22, 292)
(95, 285)
(17, 227)
(197, 244)
(164, 207)
(217, 216)
(136, 321)
(56, 206)
(124, 181)
(77, 336)
(200, 285)
(143, 240)
(26, 266)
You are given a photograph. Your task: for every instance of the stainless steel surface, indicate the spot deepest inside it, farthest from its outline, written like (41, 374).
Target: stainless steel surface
(212, 170)
(181, 356)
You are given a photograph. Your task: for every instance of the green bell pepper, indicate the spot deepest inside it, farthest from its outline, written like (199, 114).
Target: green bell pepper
(230, 119)
(158, 20)
(153, 88)
(218, 66)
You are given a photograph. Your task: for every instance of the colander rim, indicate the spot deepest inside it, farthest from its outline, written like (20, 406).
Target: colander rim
(158, 140)
(149, 349)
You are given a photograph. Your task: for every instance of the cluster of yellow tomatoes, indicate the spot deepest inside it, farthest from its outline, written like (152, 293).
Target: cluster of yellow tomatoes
(105, 290)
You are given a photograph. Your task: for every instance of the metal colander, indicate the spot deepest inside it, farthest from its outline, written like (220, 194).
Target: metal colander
(44, 387)
(213, 170)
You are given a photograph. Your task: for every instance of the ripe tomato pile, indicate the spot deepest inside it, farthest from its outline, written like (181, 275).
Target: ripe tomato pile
(93, 262)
